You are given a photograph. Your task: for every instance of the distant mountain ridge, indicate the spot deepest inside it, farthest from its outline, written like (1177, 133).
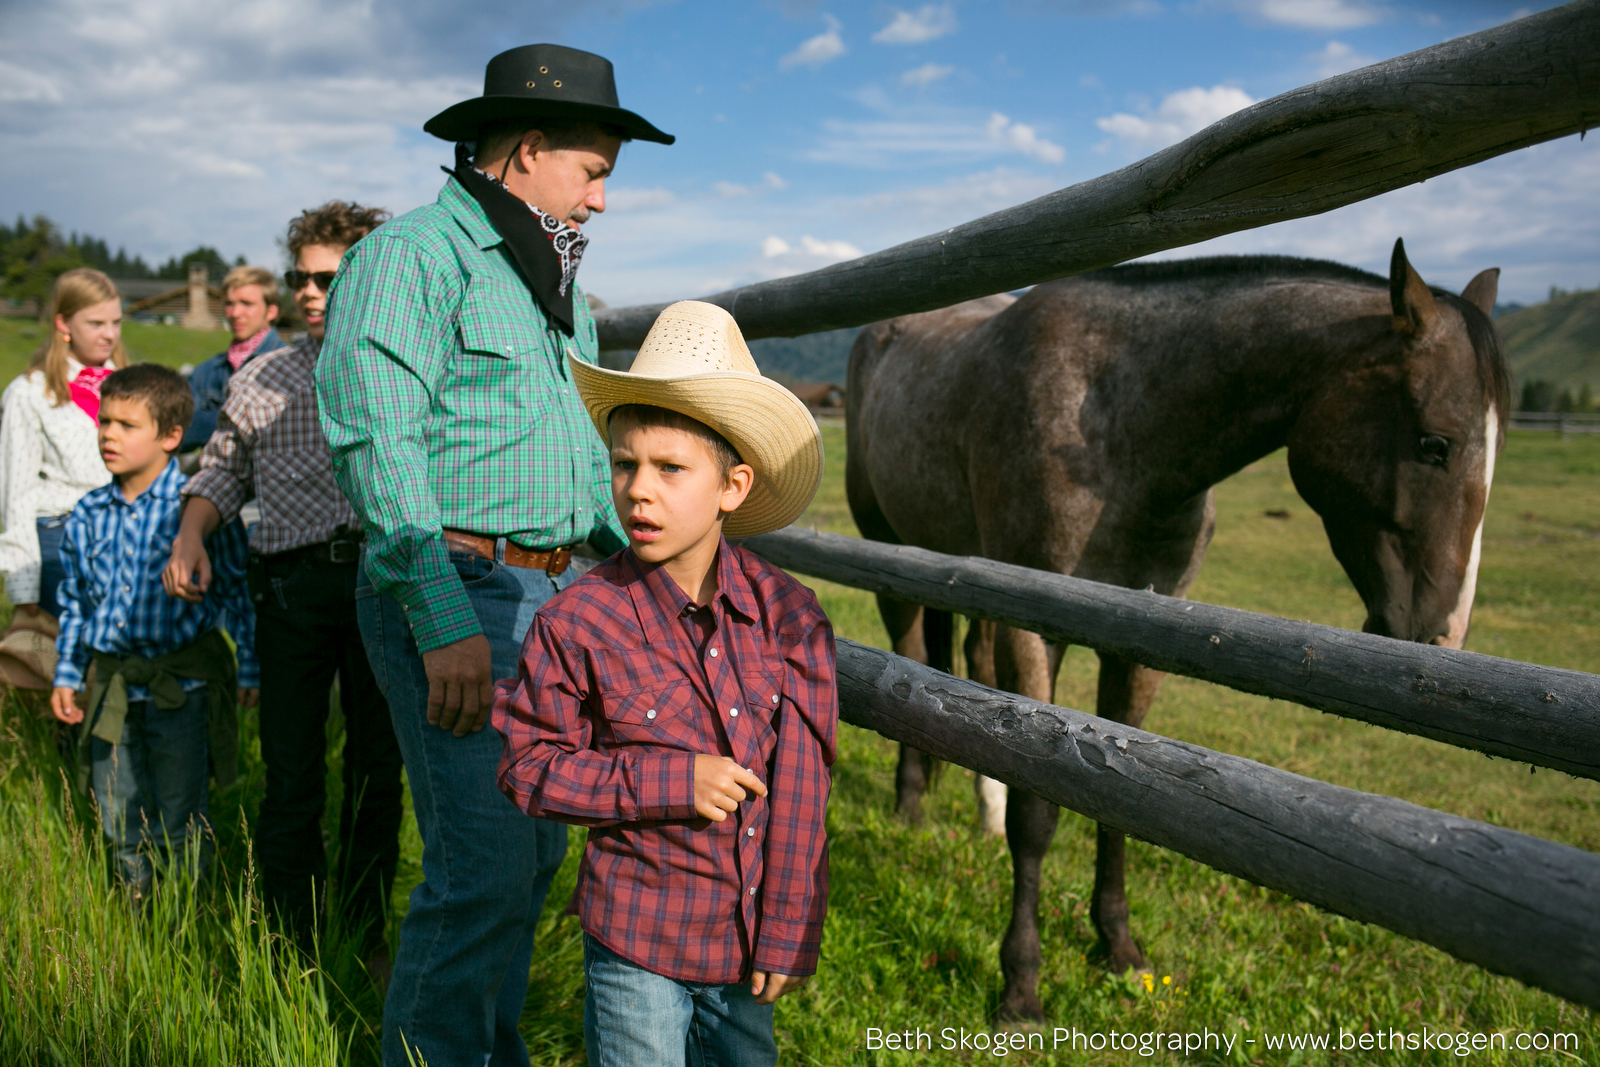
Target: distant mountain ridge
(1557, 341)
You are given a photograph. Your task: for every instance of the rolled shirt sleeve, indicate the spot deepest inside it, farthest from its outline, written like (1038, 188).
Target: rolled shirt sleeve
(227, 474)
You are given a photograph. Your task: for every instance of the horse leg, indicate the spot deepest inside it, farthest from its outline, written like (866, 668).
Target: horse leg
(906, 623)
(1126, 692)
(1025, 664)
(979, 648)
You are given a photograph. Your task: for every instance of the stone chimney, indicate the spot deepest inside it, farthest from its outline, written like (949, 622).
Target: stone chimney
(199, 316)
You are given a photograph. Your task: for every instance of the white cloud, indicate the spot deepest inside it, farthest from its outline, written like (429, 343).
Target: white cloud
(930, 22)
(925, 75)
(622, 199)
(811, 254)
(1023, 139)
(1336, 58)
(948, 134)
(813, 53)
(927, 208)
(834, 250)
(733, 190)
(1180, 114)
(1310, 14)
(18, 85)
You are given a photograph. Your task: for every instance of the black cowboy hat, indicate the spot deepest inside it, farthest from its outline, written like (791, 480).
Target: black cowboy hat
(543, 81)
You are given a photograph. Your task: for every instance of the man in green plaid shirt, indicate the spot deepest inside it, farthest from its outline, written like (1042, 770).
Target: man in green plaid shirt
(459, 438)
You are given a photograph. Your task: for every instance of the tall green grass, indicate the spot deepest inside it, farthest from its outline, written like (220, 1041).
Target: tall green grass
(86, 977)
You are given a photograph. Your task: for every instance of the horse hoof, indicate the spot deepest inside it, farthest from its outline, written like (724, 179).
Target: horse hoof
(1127, 958)
(1021, 1006)
(909, 812)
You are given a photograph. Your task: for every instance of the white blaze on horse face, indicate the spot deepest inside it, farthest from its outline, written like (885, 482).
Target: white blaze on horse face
(1462, 615)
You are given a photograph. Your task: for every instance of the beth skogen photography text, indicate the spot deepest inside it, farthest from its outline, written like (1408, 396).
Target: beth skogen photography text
(658, 533)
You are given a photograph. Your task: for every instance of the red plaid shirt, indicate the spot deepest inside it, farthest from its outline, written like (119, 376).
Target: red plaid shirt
(620, 686)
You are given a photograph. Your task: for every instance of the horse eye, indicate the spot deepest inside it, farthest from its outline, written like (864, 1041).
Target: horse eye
(1434, 449)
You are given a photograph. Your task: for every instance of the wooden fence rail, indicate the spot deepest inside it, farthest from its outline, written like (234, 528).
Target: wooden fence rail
(1521, 711)
(1307, 151)
(1515, 904)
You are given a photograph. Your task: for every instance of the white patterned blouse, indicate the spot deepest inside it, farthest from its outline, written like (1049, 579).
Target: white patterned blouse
(49, 458)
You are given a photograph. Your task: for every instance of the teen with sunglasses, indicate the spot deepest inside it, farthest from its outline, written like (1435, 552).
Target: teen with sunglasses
(305, 551)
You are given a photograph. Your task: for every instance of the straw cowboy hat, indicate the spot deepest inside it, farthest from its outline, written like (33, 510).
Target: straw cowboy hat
(694, 361)
(543, 81)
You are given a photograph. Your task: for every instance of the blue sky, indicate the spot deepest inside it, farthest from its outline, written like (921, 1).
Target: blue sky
(807, 132)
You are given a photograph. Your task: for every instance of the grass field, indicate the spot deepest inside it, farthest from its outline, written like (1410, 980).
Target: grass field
(915, 915)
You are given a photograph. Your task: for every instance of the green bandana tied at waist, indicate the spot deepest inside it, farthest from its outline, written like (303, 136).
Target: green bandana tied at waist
(208, 659)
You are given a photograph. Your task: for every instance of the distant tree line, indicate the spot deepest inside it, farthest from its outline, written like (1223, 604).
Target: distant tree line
(33, 254)
(1541, 395)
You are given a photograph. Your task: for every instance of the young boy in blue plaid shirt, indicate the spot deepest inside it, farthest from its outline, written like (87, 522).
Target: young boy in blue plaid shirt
(162, 706)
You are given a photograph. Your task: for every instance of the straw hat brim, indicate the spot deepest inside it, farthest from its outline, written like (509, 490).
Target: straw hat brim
(765, 423)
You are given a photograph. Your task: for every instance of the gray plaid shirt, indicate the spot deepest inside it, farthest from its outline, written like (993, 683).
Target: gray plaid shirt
(269, 445)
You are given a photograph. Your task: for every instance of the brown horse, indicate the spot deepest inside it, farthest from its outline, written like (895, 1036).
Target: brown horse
(1080, 429)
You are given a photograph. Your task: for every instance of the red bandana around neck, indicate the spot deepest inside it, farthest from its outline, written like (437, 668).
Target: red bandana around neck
(240, 351)
(85, 390)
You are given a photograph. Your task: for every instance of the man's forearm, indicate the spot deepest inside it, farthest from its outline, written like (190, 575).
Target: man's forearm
(200, 519)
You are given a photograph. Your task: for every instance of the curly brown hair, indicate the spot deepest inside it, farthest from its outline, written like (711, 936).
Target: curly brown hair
(335, 223)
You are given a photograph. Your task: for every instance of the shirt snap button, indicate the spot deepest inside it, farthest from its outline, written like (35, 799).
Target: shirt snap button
(650, 714)
(774, 698)
(713, 653)
(750, 832)
(734, 712)
(752, 890)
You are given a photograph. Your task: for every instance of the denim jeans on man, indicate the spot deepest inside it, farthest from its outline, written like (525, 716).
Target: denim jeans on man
(151, 789)
(306, 633)
(461, 972)
(633, 1017)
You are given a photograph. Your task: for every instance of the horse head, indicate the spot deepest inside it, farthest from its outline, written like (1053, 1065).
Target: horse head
(1395, 450)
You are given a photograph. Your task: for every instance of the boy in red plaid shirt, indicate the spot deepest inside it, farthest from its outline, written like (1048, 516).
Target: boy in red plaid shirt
(679, 700)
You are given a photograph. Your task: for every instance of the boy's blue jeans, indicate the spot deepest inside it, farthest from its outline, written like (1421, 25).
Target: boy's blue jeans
(151, 788)
(633, 1017)
(466, 944)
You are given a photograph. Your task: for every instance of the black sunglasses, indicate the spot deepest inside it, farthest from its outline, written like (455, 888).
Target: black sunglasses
(299, 279)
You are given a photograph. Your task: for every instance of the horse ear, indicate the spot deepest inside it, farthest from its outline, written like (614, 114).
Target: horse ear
(1414, 309)
(1482, 290)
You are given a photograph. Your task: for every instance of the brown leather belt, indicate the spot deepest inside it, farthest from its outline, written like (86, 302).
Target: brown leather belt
(551, 560)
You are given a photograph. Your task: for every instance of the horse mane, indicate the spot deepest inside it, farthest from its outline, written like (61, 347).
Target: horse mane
(1493, 373)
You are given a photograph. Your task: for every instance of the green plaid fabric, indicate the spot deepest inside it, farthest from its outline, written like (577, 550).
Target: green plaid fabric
(445, 395)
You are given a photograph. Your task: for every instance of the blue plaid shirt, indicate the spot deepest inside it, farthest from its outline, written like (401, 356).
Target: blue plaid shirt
(112, 601)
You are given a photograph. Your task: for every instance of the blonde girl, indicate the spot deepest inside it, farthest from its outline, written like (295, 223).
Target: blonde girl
(49, 434)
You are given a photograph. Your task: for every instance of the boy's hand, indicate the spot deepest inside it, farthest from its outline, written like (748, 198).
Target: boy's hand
(63, 706)
(188, 573)
(719, 785)
(768, 986)
(248, 698)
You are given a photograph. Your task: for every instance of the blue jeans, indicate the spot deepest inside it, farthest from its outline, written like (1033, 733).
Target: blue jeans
(51, 573)
(633, 1017)
(151, 788)
(466, 944)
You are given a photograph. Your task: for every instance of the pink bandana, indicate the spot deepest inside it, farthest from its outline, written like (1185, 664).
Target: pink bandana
(85, 390)
(243, 350)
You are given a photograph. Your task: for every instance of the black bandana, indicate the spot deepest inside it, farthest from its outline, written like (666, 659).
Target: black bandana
(547, 249)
